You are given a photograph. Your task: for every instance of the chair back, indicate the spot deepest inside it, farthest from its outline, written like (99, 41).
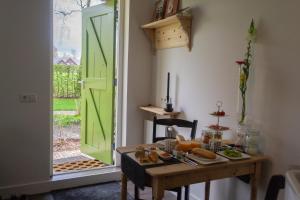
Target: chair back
(174, 122)
(276, 183)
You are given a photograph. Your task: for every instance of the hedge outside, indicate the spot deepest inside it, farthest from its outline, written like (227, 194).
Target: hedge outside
(66, 81)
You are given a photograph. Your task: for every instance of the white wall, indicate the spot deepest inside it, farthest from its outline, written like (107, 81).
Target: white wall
(209, 73)
(137, 68)
(25, 53)
(25, 68)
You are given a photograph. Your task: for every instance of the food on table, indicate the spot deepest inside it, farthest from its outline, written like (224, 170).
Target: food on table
(153, 156)
(232, 153)
(144, 159)
(204, 153)
(140, 152)
(153, 148)
(218, 135)
(165, 155)
(178, 154)
(215, 142)
(206, 136)
(180, 138)
(195, 144)
(187, 145)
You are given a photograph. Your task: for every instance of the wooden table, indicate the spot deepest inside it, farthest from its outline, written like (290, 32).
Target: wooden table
(176, 175)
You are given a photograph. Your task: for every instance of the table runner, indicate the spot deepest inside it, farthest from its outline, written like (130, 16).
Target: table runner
(137, 173)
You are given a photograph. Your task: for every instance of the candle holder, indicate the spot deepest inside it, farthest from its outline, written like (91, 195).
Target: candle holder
(169, 107)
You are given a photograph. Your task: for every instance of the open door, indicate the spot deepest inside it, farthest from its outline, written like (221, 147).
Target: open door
(98, 62)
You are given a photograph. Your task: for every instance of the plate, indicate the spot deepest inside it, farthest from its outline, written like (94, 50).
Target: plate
(132, 155)
(244, 156)
(206, 161)
(218, 128)
(160, 154)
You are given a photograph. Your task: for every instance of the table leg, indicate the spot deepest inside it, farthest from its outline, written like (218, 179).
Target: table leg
(254, 181)
(207, 190)
(124, 187)
(157, 188)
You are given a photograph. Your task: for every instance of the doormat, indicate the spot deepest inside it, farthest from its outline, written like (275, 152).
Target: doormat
(78, 165)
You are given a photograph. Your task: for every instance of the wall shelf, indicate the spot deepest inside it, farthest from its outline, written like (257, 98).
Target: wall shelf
(159, 111)
(174, 31)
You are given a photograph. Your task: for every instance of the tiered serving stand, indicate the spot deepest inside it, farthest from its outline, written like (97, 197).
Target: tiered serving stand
(215, 143)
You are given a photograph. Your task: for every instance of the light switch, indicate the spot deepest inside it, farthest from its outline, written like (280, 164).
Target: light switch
(28, 98)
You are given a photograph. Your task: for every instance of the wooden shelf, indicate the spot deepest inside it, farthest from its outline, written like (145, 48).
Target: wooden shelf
(174, 31)
(159, 111)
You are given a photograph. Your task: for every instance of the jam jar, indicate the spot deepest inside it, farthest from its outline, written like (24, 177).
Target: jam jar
(252, 142)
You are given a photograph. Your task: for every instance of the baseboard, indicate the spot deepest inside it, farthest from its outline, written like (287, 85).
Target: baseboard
(63, 181)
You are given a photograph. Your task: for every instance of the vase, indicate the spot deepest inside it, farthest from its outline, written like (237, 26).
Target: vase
(240, 140)
(242, 97)
(244, 102)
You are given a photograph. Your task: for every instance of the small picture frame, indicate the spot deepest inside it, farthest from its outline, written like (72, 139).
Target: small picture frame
(171, 8)
(159, 10)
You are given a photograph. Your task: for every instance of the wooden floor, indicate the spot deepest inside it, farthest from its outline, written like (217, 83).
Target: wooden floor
(147, 193)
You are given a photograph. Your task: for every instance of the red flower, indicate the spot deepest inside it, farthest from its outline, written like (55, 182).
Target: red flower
(240, 62)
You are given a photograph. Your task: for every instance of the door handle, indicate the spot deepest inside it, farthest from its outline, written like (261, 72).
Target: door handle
(82, 83)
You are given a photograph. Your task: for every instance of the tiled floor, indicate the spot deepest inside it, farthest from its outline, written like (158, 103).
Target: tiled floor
(145, 195)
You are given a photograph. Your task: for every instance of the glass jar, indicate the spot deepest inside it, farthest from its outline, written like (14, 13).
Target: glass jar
(207, 135)
(241, 133)
(252, 141)
(215, 144)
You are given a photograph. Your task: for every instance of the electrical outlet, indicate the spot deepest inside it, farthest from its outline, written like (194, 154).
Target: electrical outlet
(28, 98)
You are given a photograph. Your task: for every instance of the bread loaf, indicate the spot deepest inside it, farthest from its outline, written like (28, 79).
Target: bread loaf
(204, 153)
(153, 156)
(187, 146)
(195, 144)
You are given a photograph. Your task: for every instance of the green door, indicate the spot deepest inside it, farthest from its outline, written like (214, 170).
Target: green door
(97, 107)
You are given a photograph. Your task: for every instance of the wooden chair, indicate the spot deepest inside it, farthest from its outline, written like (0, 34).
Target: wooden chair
(172, 122)
(276, 183)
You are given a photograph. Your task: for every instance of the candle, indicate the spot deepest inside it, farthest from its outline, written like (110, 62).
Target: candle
(168, 88)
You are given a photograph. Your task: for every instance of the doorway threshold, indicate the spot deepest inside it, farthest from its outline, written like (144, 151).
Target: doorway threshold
(85, 177)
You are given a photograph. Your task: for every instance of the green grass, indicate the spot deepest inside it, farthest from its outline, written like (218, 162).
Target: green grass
(64, 104)
(66, 120)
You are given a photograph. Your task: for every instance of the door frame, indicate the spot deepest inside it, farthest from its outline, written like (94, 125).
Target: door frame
(119, 94)
(119, 100)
